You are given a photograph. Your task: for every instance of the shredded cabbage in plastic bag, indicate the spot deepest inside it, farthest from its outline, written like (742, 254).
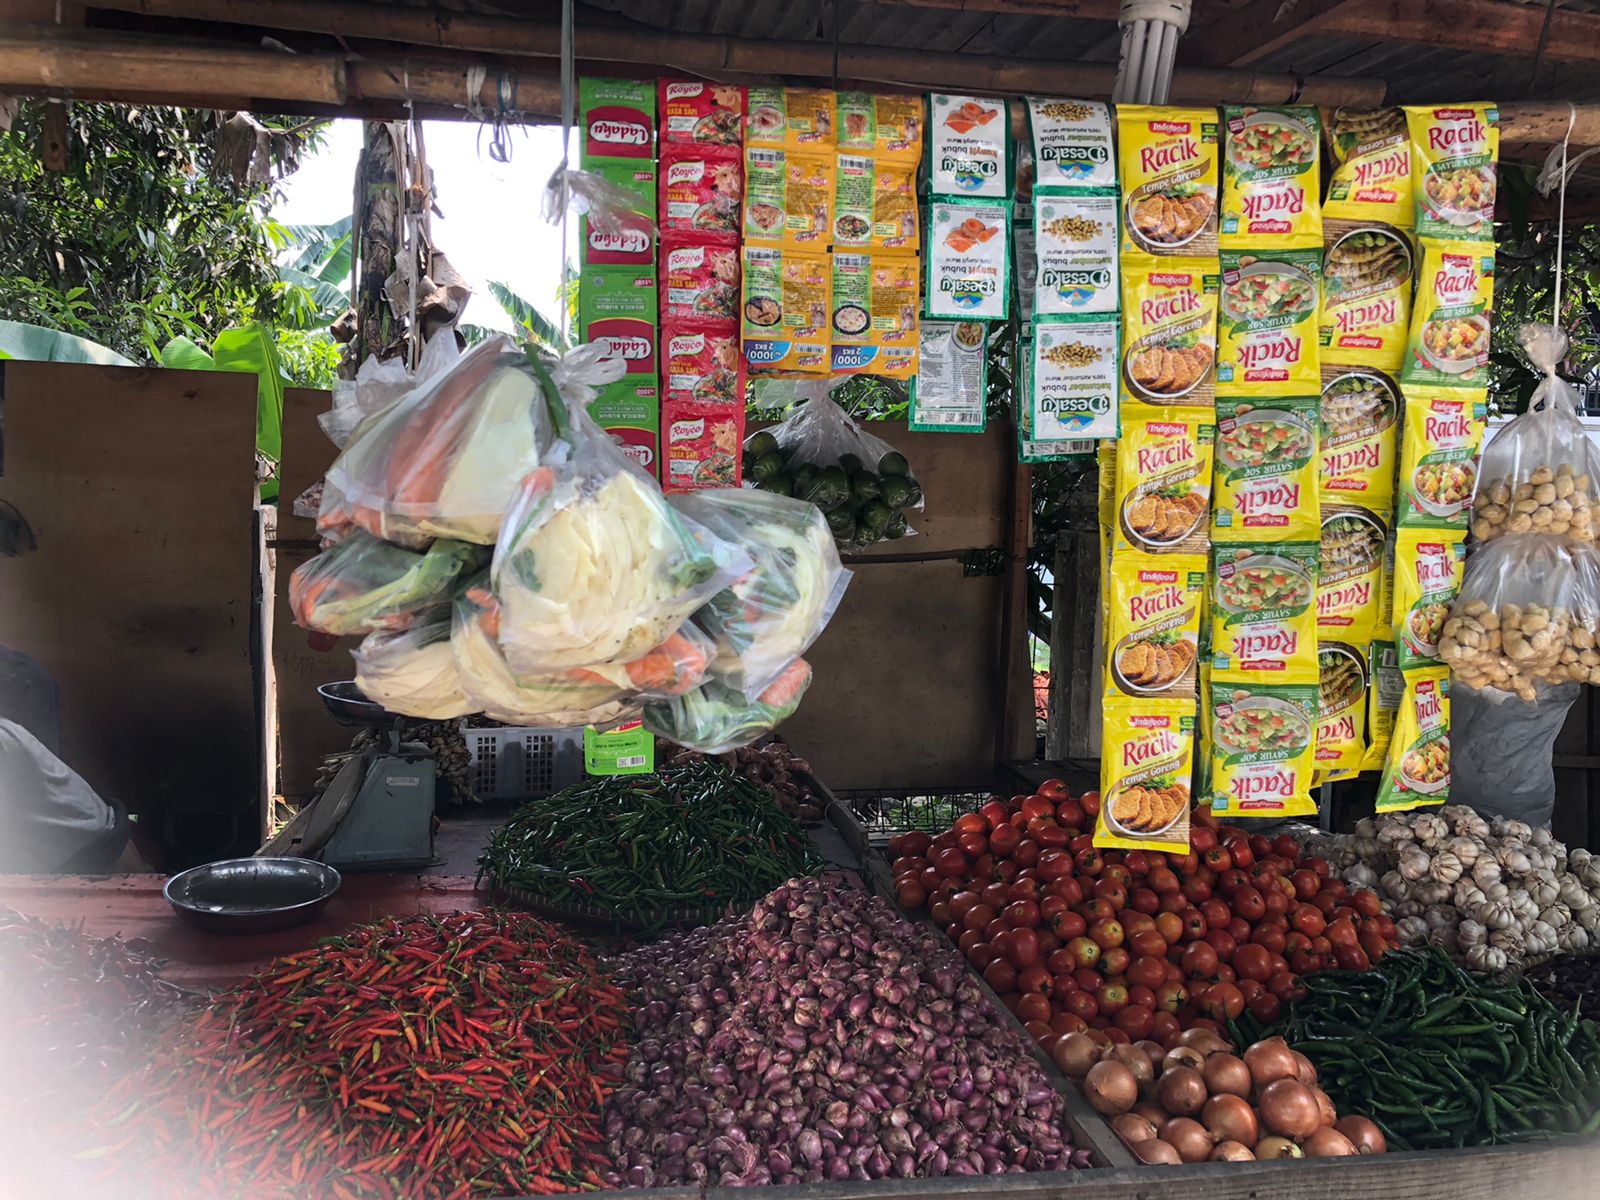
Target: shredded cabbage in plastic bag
(716, 718)
(363, 584)
(770, 615)
(413, 672)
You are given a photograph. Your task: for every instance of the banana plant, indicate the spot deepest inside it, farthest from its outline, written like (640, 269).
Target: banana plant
(35, 343)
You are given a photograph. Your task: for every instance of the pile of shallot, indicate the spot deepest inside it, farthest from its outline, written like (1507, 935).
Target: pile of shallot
(1199, 1101)
(821, 1038)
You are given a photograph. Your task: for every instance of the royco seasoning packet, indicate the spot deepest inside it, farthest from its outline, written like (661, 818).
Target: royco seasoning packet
(969, 147)
(701, 114)
(950, 389)
(1441, 431)
(1271, 178)
(1075, 254)
(1266, 475)
(1366, 296)
(968, 260)
(618, 119)
(1341, 709)
(1074, 378)
(1263, 611)
(1267, 323)
(1169, 312)
(1163, 481)
(1360, 419)
(875, 314)
(787, 301)
(788, 197)
(1428, 566)
(1383, 702)
(700, 446)
(887, 127)
(1263, 749)
(702, 366)
(1371, 178)
(1449, 342)
(618, 306)
(1153, 624)
(1416, 769)
(1350, 591)
(796, 118)
(1146, 765)
(699, 282)
(1168, 160)
(1071, 142)
(874, 203)
(1453, 153)
(628, 240)
(702, 193)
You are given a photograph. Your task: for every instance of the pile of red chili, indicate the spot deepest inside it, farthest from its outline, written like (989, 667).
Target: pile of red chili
(426, 1057)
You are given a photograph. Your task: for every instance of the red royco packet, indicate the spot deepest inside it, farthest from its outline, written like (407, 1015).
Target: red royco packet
(702, 192)
(700, 446)
(705, 114)
(703, 366)
(699, 281)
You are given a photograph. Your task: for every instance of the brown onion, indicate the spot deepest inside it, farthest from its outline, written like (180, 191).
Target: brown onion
(1326, 1113)
(1288, 1107)
(1190, 1138)
(1226, 1074)
(1156, 1151)
(1231, 1119)
(1111, 1088)
(1328, 1143)
(1269, 1061)
(1277, 1147)
(1132, 1128)
(1203, 1040)
(1183, 1056)
(1364, 1135)
(1303, 1070)
(1232, 1152)
(1155, 1050)
(1181, 1091)
(1075, 1053)
(1137, 1061)
(1152, 1112)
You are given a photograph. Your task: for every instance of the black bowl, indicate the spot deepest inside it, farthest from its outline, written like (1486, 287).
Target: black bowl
(252, 895)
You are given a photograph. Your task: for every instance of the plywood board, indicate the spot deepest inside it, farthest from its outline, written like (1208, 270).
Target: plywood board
(139, 486)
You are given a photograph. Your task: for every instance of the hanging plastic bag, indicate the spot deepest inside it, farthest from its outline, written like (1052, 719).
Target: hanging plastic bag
(1541, 473)
(445, 460)
(363, 584)
(594, 566)
(1502, 760)
(611, 209)
(822, 455)
(413, 671)
(381, 382)
(716, 718)
(770, 615)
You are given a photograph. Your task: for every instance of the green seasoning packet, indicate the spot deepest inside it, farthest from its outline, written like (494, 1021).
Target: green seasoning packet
(1383, 701)
(949, 392)
(1032, 449)
(1416, 770)
(630, 750)
(1440, 433)
(617, 119)
(1073, 378)
(969, 146)
(968, 260)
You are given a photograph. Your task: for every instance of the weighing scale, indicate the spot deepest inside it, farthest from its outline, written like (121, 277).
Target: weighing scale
(377, 813)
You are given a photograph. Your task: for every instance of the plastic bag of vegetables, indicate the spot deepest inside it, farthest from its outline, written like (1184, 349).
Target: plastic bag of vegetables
(770, 615)
(823, 456)
(413, 671)
(717, 718)
(363, 584)
(595, 567)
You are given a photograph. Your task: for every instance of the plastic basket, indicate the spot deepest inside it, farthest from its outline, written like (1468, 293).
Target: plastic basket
(885, 813)
(523, 764)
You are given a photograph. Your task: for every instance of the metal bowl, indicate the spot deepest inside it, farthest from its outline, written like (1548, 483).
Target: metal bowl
(252, 895)
(346, 705)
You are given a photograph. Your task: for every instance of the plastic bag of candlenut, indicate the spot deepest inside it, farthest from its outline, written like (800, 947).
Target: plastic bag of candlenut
(1525, 618)
(1541, 473)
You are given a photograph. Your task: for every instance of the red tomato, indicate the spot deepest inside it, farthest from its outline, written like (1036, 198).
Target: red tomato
(995, 895)
(1374, 944)
(1297, 943)
(1115, 960)
(1034, 1006)
(1217, 859)
(1054, 790)
(1022, 888)
(950, 862)
(1252, 962)
(1052, 835)
(1001, 976)
(966, 939)
(1061, 961)
(1084, 841)
(1251, 988)
(1338, 887)
(1163, 880)
(1308, 920)
(1366, 903)
(1091, 803)
(982, 954)
(1005, 870)
(1223, 1001)
(1342, 933)
(1070, 813)
(909, 864)
(995, 930)
(1038, 806)
(1047, 942)
(1183, 864)
(1112, 998)
(1266, 1008)
(973, 844)
(1239, 928)
(1275, 900)
(1196, 890)
(1216, 913)
(984, 867)
(1148, 944)
(1222, 942)
(1200, 960)
(1026, 853)
(1170, 997)
(939, 911)
(1164, 1027)
(931, 878)
(1085, 950)
(1194, 925)
(1144, 900)
(1170, 926)
(994, 815)
(1049, 905)
(1136, 1020)
(1305, 883)
(978, 916)
(910, 894)
(1304, 963)
(1112, 892)
(1089, 862)
(1003, 840)
(1034, 979)
(1285, 846)
(962, 903)
(1097, 910)
(1174, 902)
(1201, 838)
(1068, 925)
(1023, 914)
(1022, 947)
(1259, 845)
(1083, 1005)
(1148, 972)
(1352, 958)
(1231, 880)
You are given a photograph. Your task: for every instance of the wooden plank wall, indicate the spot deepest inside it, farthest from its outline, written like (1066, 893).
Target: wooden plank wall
(139, 487)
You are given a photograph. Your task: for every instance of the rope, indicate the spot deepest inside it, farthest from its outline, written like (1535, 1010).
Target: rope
(568, 120)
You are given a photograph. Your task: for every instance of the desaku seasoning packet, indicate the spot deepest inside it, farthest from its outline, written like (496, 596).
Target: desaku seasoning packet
(1267, 323)
(1153, 625)
(1271, 178)
(1169, 315)
(1416, 769)
(1075, 254)
(968, 260)
(1071, 145)
(969, 147)
(1168, 160)
(1266, 476)
(1162, 492)
(1073, 384)
(1146, 769)
(1263, 612)
(1263, 749)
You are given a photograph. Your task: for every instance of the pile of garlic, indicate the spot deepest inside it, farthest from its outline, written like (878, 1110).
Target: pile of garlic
(1491, 894)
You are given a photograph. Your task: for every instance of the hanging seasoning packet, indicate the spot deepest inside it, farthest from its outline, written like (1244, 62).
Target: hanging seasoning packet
(1371, 178)
(699, 282)
(701, 114)
(787, 300)
(702, 193)
(1153, 624)
(1266, 475)
(1145, 769)
(1359, 420)
(1428, 566)
(1074, 378)
(968, 258)
(798, 118)
(1263, 611)
(702, 366)
(1449, 342)
(1271, 178)
(1163, 473)
(1350, 569)
(1267, 323)
(700, 446)
(1071, 142)
(1416, 769)
(950, 387)
(1169, 309)
(887, 127)
(875, 314)
(1453, 153)
(1263, 749)
(874, 204)
(1168, 161)
(1388, 684)
(1075, 249)
(1441, 432)
(969, 147)
(1366, 296)
(1341, 709)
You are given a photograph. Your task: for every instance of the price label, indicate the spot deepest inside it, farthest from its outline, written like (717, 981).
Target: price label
(628, 750)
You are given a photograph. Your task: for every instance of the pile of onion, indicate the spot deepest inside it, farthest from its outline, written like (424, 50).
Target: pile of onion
(1200, 1102)
(822, 1038)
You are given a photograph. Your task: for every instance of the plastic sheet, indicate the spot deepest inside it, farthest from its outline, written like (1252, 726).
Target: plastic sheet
(412, 671)
(380, 382)
(716, 718)
(363, 584)
(1501, 753)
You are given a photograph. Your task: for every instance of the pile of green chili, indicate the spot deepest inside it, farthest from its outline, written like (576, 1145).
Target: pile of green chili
(1440, 1057)
(651, 849)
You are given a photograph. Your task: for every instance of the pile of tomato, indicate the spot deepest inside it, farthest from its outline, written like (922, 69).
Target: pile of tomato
(1137, 944)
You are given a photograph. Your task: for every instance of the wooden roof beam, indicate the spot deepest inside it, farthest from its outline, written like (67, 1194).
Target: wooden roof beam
(1241, 36)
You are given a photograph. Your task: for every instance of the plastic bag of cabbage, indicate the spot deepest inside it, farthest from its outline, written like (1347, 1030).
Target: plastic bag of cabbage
(413, 670)
(364, 584)
(716, 718)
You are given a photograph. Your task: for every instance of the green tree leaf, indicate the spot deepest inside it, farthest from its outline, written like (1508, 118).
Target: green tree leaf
(35, 343)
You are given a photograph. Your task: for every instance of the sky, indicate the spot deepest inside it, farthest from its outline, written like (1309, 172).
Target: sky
(492, 227)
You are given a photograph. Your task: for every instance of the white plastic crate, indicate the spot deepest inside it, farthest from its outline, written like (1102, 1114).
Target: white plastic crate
(521, 764)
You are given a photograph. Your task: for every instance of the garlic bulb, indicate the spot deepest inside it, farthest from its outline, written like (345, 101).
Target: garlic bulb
(1556, 915)
(1495, 914)
(1408, 908)
(1441, 916)
(1414, 864)
(1575, 938)
(1470, 824)
(1392, 831)
(1430, 829)
(1542, 837)
(1541, 939)
(1588, 874)
(1465, 849)
(1467, 894)
(1412, 930)
(1542, 886)
(1430, 891)
(1446, 867)
(1496, 891)
(1471, 933)
(1485, 871)
(1394, 885)
(1510, 940)
(1520, 830)
(1486, 959)
(1368, 849)
(1522, 904)
(1366, 828)
(1578, 859)
(1360, 875)
(1512, 859)
(1573, 894)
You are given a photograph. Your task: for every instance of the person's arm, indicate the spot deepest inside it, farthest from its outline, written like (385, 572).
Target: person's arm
(51, 821)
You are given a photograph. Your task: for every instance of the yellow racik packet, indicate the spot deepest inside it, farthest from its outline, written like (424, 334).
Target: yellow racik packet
(1371, 179)
(1169, 338)
(1341, 709)
(1428, 567)
(1448, 346)
(1365, 317)
(1262, 749)
(1267, 323)
(1153, 624)
(1441, 432)
(1163, 480)
(1358, 429)
(1453, 152)
(1263, 611)
(1146, 766)
(1383, 702)
(1266, 474)
(1168, 158)
(1416, 770)
(1350, 575)
(1271, 177)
